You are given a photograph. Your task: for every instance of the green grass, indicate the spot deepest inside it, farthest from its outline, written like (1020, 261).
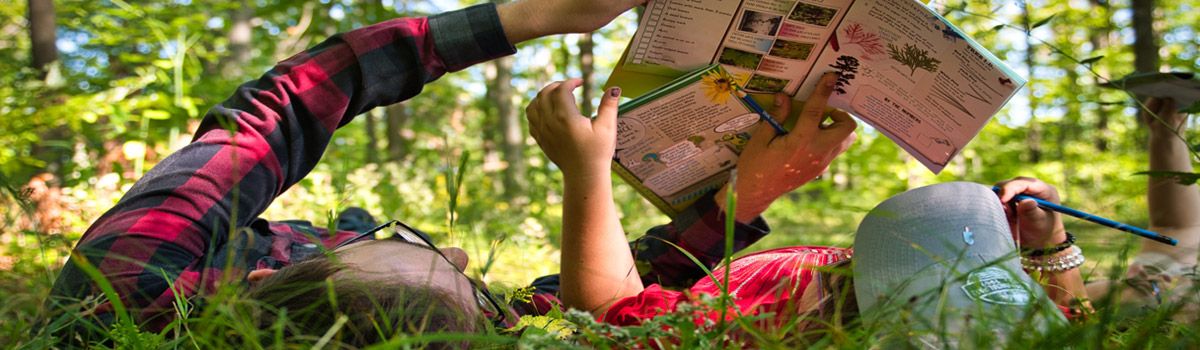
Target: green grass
(34, 258)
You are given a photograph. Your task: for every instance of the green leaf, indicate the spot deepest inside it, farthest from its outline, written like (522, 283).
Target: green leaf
(1091, 60)
(156, 114)
(1182, 178)
(1194, 108)
(1042, 22)
(998, 27)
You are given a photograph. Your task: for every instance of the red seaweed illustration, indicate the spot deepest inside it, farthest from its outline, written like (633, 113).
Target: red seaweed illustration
(870, 42)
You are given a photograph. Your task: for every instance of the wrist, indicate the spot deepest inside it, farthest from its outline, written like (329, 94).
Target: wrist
(521, 22)
(1052, 246)
(587, 176)
(1056, 237)
(744, 212)
(1058, 262)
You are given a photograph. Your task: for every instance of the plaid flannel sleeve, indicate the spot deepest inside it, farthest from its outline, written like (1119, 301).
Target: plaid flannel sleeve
(699, 231)
(159, 239)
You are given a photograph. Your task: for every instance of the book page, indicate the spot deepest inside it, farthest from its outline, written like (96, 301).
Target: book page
(682, 143)
(773, 44)
(678, 36)
(908, 73)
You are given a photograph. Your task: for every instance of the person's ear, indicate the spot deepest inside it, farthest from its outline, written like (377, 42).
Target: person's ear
(258, 275)
(457, 256)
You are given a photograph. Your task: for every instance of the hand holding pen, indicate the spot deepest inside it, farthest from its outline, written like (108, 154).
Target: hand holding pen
(1036, 205)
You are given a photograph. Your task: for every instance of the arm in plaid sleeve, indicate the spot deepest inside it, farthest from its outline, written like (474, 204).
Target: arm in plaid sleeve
(250, 148)
(700, 231)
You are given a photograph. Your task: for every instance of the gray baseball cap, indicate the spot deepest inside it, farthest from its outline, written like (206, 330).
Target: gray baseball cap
(938, 265)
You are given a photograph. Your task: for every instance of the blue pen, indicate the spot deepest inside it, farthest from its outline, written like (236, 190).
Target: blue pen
(761, 112)
(1096, 219)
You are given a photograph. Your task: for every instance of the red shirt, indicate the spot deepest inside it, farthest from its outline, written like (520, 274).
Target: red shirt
(767, 281)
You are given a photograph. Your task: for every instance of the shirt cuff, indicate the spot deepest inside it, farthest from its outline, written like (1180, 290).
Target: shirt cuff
(468, 36)
(704, 228)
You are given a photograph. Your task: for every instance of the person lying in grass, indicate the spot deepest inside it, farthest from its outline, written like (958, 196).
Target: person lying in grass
(926, 262)
(190, 228)
(1162, 274)
(191, 224)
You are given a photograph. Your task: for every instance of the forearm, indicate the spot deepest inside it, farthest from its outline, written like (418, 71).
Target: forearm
(1171, 205)
(747, 209)
(597, 267)
(1066, 288)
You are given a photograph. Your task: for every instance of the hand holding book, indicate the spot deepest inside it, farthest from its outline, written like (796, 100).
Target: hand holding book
(580, 146)
(772, 165)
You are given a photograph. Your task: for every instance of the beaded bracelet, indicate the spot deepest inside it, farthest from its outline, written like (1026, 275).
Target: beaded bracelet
(1051, 250)
(1072, 260)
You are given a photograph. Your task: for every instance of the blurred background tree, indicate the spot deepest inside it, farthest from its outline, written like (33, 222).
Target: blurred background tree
(94, 92)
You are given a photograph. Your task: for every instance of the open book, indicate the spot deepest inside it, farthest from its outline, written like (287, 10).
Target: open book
(681, 140)
(1183, 87)
(904, 69)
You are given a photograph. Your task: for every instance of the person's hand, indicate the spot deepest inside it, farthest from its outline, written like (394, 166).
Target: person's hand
(1032, 226)
(530, 19)
(580, 146)
(772, 165)
(1169, 119)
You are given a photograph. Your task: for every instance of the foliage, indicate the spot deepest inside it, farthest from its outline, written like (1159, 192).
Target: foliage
(847, 68)
(913, 57)
(870, 43)
(812, 14)
(134, 78)
(739, 58)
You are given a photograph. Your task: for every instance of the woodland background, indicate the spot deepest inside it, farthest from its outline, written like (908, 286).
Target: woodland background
(95, 92)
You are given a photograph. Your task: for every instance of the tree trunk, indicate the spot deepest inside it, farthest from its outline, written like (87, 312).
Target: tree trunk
(1145, 46)
(1099, 38)
(42, 34)
(396, 118)
(586, 68)
(371, 149)
(512, 144)
(239, 40)
(1035, 132)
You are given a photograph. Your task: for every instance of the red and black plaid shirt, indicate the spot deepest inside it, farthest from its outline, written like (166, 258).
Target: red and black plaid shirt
(193, 220)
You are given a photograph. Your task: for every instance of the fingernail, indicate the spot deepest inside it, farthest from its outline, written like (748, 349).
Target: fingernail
(830, 79)
(614, 91)
(779, 99)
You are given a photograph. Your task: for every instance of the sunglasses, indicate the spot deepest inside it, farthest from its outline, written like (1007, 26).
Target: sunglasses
(396, 230)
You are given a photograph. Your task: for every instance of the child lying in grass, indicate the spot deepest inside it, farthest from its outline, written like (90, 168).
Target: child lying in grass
(926, 262)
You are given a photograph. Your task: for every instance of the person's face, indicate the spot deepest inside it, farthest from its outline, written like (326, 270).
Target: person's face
(394, 260)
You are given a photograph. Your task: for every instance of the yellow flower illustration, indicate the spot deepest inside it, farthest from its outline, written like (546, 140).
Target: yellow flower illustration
(718, 86)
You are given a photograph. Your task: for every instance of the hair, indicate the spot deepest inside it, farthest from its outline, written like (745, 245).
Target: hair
(308, 299)
(838, 308)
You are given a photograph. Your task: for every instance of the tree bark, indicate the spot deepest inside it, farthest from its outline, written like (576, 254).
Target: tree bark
(586, 69)
(239, 40)
(1145, 45)
(512, 144)
(1099, 38)
(42, 34)
(397, 118)
(371, 149)
(1035, 132)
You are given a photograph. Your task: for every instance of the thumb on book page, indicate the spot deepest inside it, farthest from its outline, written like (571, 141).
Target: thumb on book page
(607, 113)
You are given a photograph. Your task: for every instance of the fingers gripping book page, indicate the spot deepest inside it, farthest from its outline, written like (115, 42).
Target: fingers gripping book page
(914, 77)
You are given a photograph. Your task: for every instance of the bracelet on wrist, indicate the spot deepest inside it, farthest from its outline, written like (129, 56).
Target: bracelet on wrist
(1050, 250)
(1073, 258)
